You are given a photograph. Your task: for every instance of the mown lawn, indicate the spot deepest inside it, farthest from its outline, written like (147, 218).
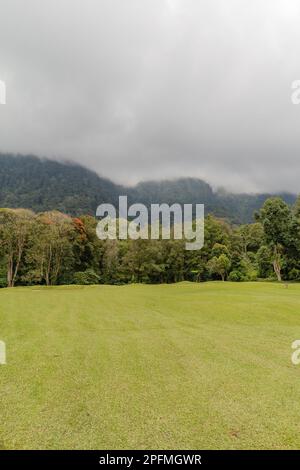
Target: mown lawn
(152, 367)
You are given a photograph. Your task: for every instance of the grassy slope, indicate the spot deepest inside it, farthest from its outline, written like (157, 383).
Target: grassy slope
(170, 366)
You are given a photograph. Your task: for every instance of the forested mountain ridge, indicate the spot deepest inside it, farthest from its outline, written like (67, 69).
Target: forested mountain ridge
(43, 184)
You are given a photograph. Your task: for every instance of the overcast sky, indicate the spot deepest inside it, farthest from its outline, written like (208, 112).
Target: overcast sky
(147, 89)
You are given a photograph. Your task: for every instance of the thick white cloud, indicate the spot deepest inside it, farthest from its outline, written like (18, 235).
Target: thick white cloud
(139, 89)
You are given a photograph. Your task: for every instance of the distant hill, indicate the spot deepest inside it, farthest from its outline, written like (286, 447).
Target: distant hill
(42, 184)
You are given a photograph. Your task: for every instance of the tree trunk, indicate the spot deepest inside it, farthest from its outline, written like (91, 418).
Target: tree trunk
(276, 264)
(277, 269)
(48, 267)
(20, 252)
(10, 272)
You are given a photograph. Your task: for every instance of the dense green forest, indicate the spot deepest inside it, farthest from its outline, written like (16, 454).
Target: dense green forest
(44, 185)
(54, 248)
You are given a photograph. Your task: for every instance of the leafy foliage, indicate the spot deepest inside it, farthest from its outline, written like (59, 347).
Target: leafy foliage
(53, 248)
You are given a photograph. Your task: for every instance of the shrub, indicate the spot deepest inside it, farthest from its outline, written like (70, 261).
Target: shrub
(294, 274)
(86, 277)
(3, 281)
(3, 277)
(248, 270)
(235, 276)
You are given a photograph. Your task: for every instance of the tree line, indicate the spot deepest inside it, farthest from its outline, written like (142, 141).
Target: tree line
(52, 248)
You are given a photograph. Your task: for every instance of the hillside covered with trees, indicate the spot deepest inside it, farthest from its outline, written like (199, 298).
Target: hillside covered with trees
(46, 185)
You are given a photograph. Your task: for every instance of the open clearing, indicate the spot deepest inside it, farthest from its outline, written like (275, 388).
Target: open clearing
(181, 366)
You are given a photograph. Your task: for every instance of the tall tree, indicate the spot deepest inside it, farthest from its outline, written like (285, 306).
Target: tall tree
(51, 247)
(219, 265)
(276, 219)
(15, 227)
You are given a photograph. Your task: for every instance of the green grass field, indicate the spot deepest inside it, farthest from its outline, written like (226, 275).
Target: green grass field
(150, 367)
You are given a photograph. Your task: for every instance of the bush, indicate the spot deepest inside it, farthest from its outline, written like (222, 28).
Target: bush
(86, 277)
(294, 275)
(235, 276)
(248, 270)
(252, 275)
(3, 281)
(3, 277)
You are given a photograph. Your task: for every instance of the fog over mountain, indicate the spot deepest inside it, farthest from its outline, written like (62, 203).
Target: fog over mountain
(156, 89)
(42, 184)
